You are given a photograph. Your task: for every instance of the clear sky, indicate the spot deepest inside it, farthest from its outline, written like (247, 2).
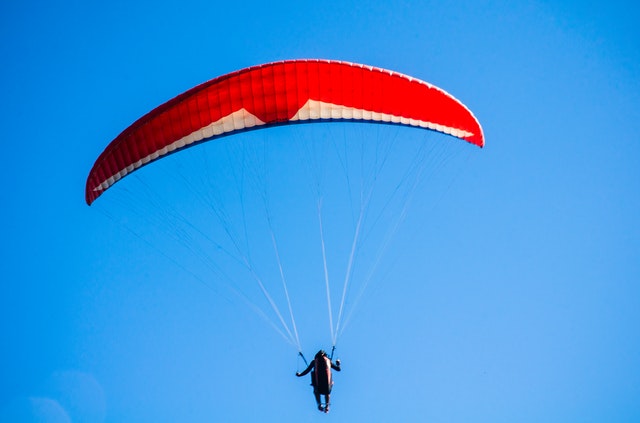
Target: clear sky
(510, 293)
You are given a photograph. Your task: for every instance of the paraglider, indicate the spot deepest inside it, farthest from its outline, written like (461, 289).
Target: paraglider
(280, 93)
(284, 93)
(321, 378)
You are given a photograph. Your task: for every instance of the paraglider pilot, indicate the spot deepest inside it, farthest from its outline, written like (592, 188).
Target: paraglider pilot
(320, 368)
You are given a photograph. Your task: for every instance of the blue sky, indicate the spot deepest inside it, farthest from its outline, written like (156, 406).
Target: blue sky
(510, 293)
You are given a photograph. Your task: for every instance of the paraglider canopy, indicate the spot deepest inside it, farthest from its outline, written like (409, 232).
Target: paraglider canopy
(279, 93)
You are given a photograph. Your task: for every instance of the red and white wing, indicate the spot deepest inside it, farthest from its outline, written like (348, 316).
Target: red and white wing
(280, 93)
